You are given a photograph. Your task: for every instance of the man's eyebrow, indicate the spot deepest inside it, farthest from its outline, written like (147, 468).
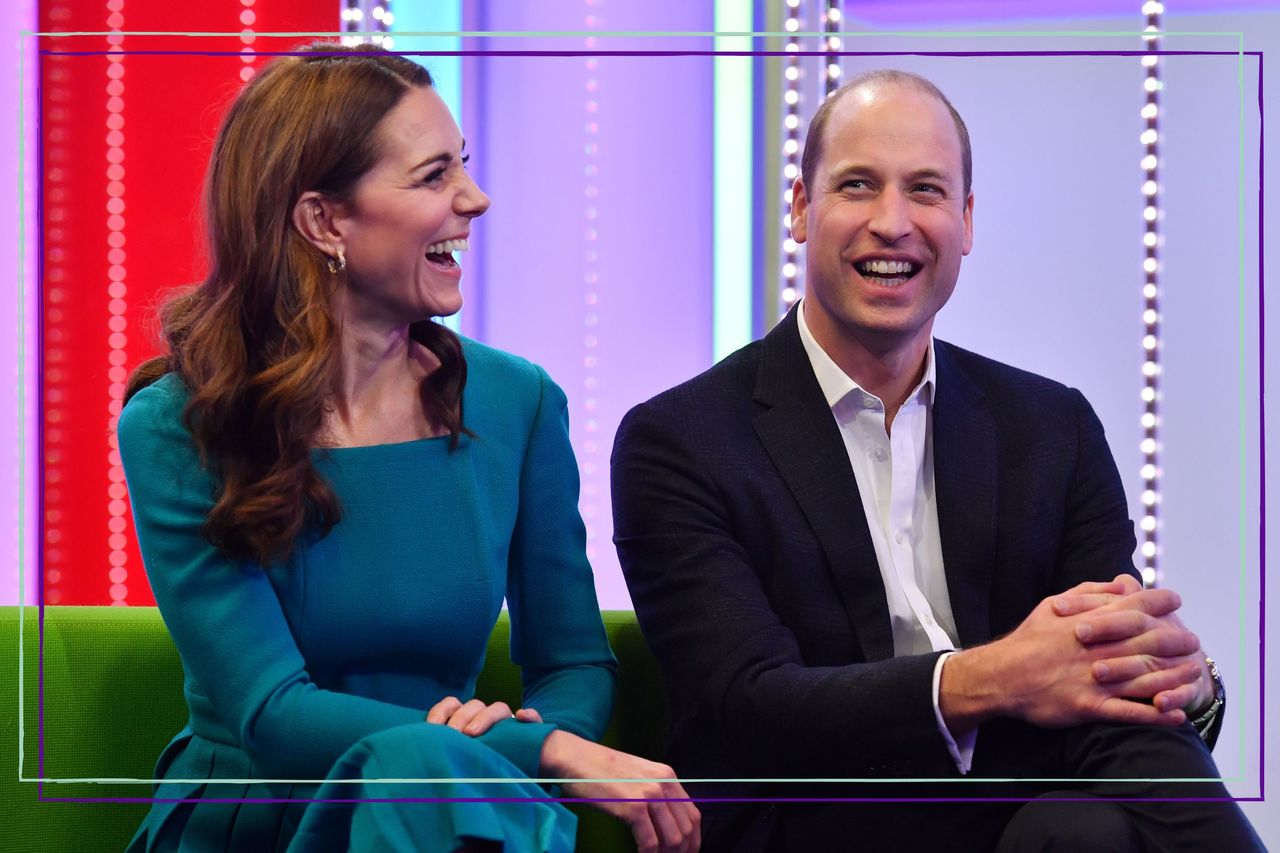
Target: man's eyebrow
(927, 173)
(931, 174)
(851, 169)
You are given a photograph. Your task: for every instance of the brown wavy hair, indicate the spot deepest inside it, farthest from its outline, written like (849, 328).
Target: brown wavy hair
(255, 343)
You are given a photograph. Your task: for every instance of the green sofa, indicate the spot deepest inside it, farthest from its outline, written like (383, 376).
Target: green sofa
(113, 699)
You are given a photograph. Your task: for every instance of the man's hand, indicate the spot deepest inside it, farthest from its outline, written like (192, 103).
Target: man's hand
(1144, 655)
(1043, 672)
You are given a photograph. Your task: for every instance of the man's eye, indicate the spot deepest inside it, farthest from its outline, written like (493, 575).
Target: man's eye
(855, 184)
(928, 188)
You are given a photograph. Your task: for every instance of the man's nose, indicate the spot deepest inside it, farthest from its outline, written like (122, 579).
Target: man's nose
(890, 216)
(471, 201)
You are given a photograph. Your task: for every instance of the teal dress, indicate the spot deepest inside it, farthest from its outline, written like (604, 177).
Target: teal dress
(319, 670)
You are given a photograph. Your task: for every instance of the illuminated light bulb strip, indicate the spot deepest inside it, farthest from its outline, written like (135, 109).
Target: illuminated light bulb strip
(57, 248)
(380, 12)
(352, 22)
(247, 37)
(1150, 523)
(831, 17)
(790, 291)
(591, 288)
(375, 16)
(117, 325)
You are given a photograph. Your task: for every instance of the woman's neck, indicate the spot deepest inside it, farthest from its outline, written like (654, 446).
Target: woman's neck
(375, 396)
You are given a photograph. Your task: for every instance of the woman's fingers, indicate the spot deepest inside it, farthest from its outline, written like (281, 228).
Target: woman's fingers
(687, 816)
(528, 715)
(483, 721)
(464, 715)
(442, 710)
(642, 829)
(670, 837)
(474, 717)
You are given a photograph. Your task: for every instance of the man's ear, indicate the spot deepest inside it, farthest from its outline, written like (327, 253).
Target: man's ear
(968, 224)
(314, 216)
(799, 206)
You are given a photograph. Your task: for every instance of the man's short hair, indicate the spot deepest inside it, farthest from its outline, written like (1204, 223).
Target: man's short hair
(814, 139)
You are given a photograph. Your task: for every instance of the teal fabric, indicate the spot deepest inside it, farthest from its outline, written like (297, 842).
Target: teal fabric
(295, 669)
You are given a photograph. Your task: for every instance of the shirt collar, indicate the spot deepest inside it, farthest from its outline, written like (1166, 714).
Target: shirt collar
(836, 384)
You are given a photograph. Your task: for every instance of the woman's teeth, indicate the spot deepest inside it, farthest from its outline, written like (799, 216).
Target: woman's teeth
(447, 247)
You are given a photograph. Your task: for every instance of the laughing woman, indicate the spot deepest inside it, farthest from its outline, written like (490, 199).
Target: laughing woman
(333, 494)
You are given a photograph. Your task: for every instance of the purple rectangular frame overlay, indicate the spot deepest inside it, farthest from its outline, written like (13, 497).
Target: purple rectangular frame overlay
(1262, 485)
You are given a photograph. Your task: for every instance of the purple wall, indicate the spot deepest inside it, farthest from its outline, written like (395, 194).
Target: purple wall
(596, 253)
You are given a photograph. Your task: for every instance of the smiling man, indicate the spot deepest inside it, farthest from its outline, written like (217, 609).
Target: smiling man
(860, 552)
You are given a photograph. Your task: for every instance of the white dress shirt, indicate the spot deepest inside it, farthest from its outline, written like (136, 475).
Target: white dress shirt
(894, 473)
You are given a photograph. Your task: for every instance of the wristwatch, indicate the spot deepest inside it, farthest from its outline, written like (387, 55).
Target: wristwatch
(1210, 721)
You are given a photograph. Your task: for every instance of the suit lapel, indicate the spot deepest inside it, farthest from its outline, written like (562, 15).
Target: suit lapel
(965, 480)
(804, 443)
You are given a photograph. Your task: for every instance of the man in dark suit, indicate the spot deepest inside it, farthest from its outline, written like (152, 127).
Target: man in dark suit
(811, 528)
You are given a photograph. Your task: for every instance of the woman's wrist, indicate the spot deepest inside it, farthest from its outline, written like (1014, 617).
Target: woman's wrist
(557, 752)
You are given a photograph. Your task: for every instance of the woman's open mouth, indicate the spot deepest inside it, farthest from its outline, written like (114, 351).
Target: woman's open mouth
(441, 254)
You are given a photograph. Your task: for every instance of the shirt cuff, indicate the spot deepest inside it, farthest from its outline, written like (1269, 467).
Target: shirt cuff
(961, 748)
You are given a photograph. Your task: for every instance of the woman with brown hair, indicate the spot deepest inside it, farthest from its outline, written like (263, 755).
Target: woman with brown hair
(333, 494)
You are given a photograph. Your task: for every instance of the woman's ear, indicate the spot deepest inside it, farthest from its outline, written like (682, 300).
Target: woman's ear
(313, 216)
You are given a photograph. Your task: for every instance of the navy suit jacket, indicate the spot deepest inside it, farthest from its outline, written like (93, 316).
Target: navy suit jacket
(751, 567)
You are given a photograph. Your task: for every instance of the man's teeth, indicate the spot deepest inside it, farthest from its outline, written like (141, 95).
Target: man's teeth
(447, 247)
(888, 267)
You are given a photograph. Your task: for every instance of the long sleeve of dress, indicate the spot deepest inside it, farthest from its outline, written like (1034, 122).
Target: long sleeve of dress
(557, 637)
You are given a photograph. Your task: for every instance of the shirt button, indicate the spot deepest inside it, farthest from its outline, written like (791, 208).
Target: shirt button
(928, 620)
(869, 402)
(899, 536)
(879, 454)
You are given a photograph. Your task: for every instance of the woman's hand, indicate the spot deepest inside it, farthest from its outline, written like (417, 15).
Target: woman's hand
(650, 806)
(475, 717)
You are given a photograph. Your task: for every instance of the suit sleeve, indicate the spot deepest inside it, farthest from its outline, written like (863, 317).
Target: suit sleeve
(557, 636)
(734, 671)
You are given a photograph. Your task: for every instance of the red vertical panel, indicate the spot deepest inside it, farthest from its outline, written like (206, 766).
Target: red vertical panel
(74, 300)
(125, 138)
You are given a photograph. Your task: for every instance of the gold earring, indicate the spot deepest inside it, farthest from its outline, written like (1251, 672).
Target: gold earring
(339, 265)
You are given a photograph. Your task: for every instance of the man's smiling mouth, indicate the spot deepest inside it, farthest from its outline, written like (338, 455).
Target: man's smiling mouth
(887, 273)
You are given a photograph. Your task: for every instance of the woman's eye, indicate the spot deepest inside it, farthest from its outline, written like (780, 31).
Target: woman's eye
(432, 177)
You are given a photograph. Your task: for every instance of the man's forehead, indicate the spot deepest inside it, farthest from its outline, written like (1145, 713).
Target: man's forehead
(883, 94)
(897, 108)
